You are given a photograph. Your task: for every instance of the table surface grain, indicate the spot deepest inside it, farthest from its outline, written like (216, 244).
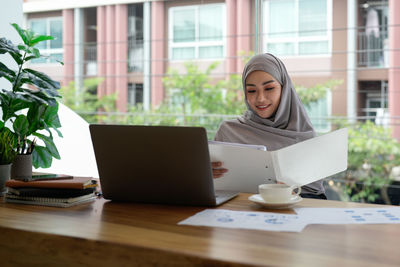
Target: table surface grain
(105, 232)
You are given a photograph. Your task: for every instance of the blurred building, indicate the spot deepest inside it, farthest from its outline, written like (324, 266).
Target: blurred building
(133, 43)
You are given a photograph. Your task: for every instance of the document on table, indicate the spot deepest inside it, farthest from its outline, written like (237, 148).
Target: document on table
(270, 221)
(389, 215)
(247, 220)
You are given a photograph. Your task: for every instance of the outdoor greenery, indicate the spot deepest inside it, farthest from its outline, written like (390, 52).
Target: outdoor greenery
(312, 94)
(85, 100)
(373, 153)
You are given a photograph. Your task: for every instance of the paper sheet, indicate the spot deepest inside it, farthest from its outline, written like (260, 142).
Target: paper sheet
(384, 215)
(269, 221)
(247, 220)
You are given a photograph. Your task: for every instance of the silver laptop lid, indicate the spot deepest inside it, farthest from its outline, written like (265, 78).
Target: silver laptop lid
(154, 164)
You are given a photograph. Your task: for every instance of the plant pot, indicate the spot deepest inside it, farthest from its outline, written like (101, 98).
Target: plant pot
(22, 167)
(5, 173)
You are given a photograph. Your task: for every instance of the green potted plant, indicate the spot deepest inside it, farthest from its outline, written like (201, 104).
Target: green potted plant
(7, 155)
(30, 108)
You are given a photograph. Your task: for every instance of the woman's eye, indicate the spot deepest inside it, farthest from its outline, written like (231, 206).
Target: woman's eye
(251, 91)
(269, 88)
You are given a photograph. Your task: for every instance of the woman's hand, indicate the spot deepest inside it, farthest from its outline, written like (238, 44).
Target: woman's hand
(217, 169)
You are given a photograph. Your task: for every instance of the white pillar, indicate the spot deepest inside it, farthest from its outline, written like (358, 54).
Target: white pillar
(258, 22)
(351, 60)
(78, 51)
(147, 55)
(10, 13)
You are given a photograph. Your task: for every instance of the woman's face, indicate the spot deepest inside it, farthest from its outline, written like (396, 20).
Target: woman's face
(263, 93)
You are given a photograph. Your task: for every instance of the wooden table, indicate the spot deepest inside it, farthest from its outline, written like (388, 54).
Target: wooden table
(105, 233)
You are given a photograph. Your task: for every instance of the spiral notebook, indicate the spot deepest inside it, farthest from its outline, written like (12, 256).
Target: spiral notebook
(49, 201)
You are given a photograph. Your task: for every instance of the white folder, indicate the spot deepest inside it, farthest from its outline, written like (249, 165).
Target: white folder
(299, 164)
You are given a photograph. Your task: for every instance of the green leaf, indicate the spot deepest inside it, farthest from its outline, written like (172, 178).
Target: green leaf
(19, 101)
(34, 97)
(17, 57)
(42, 86)
(6, 46)
(51, 147)
(41, 157)
(58, 131)
(51, 118)
(30, 58)
(23, 47)
(21, 126)
(59, 61)
(44, 77)
(36, 52)
(35, 117)
(5, 69)
(21, 33)
(40, 38)
(6, 76)
(30, 35)
(12, 102)
(7, 145)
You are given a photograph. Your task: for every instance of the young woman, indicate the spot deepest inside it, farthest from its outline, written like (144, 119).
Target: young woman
(275, 116)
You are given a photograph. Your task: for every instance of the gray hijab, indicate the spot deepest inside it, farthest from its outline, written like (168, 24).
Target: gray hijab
(289, 125)
(290, 121)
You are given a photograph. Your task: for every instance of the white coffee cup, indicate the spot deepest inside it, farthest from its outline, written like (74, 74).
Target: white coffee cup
(278, 193)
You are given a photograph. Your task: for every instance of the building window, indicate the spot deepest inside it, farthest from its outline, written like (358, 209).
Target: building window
(135, 38)
(373, 34)
(53, 48)
(319, 113)
(304, 30)
(135, 94)
(375, 97)
(197, 32)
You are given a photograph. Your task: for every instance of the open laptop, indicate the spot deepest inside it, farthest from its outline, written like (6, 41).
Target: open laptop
(155, 164)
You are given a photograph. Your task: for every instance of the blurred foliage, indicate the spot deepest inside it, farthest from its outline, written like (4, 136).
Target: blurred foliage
(195, 92)
(86, 102)
(373, 153)
(312, 94)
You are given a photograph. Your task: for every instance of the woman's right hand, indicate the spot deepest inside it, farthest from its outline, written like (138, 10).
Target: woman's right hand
(217, 169)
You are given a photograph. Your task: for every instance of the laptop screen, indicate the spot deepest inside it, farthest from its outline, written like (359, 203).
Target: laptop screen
(154, 164)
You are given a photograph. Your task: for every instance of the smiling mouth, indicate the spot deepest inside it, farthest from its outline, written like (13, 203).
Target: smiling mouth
(263, 107)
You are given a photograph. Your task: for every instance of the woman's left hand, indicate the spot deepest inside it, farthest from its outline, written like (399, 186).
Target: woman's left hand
(217, 169)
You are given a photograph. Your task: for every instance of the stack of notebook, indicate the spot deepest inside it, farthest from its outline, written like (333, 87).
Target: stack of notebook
(61, 192)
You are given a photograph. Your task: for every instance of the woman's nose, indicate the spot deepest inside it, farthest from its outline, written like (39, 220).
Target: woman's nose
(261, 97)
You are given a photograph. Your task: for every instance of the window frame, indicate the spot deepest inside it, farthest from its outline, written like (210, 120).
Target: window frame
(49, 51)
(196, 44)
(296, 40)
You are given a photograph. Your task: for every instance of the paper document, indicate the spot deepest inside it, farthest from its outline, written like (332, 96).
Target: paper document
(246, 220)
(299, 164)
(269, 221)
(350, 216)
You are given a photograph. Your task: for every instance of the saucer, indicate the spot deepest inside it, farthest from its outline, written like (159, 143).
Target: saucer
(259, 200)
